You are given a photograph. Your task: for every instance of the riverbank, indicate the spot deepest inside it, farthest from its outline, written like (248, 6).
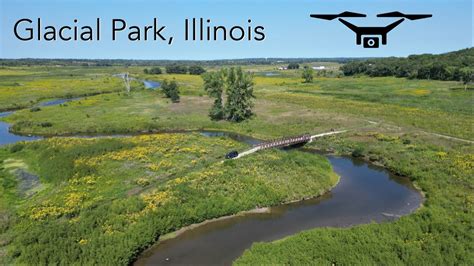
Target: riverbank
(23, 87)
(442, 168)
(441, 175)
(187, 228)
(364, 195)
(299, 108)
(142, 187)
(258, 210)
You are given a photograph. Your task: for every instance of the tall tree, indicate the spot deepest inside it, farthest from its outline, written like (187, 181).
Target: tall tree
(467, 76)
(213, 85)
(307, 74)
(239, 89)
(171, 90)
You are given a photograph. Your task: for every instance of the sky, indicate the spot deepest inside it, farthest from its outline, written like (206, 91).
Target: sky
(289, 30)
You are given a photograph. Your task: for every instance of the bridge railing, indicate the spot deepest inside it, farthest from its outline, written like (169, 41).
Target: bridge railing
(284, 141)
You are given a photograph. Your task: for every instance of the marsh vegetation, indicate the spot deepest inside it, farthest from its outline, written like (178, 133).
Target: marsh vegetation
(103, 200)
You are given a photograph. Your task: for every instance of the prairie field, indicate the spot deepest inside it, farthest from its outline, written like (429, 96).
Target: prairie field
(103, 200)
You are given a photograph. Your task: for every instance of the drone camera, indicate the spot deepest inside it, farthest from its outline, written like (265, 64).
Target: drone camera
(371, 42)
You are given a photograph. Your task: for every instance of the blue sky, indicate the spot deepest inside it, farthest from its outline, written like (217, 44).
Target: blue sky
(289, 30)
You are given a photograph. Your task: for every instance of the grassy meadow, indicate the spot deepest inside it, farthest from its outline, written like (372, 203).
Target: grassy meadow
(284, 106)
(440, 232)
(103, 200)
(22, 87)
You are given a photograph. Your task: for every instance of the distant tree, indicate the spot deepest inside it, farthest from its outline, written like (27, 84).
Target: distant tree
(174, 95)
(455, 73)
(196, 70)
(293, 66)
(467, 76)
(239, 89)
(213, 85)
(439, 72)
(165, 85)
(423, 73)
(176, 69)
(307, 75)
(155, 71)
(171, 90)
(145, 70)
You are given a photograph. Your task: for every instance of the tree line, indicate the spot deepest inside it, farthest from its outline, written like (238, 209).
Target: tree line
(151, 63)
(455, 66)
(176, 69)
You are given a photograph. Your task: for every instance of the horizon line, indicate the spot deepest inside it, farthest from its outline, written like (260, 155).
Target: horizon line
(229, 59)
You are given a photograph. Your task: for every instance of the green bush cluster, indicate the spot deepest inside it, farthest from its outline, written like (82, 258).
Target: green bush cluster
(153, 71)
(171, 90)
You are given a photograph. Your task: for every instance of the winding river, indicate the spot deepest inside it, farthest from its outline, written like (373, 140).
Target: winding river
(365, 193)
(6, 137)
(149, 84)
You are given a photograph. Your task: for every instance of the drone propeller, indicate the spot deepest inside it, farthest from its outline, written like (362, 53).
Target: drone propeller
(346, 14)
(397, 14)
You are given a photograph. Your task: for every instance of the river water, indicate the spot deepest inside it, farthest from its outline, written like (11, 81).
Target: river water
(148, 83)
(365, 193)
(6, 137)
(151, 84)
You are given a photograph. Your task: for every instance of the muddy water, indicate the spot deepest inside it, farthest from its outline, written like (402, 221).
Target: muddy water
(364, 194)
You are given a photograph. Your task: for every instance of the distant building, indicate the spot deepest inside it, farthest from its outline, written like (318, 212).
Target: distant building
(319, 67)
(282, 68)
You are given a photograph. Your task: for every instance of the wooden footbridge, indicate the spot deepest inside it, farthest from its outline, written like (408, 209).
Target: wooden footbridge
(285, 142)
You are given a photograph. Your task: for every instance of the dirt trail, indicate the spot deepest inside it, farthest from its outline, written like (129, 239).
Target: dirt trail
(449, 137)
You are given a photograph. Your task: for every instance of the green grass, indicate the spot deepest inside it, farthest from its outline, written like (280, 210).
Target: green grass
(406, 112)
(438, 233)
(284, 106)
(448, 97)
(148, 110)
(22, 87)
(105, 200)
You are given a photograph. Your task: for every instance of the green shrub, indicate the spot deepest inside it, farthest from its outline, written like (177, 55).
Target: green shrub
(358, 152)
(17, 147)
(46, 124)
